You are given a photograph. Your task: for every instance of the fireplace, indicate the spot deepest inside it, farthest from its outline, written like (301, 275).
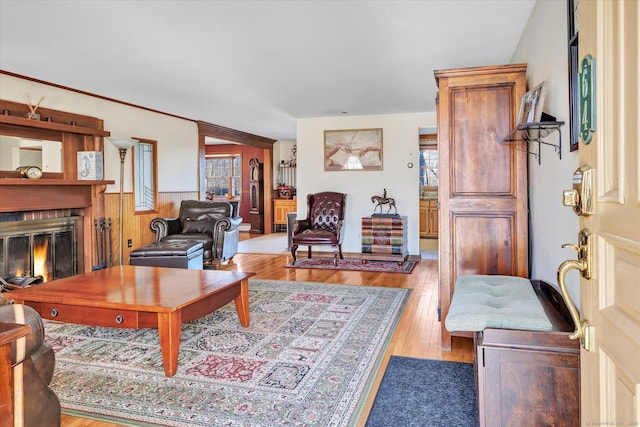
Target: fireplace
(26, 200)
(46, 248)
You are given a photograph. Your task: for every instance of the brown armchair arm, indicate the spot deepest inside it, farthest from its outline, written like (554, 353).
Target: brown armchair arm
(300, 225)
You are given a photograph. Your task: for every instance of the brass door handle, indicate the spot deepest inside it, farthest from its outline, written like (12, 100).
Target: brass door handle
(583, 329)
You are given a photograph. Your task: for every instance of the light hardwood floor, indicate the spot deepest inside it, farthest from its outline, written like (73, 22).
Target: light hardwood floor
(417, 333)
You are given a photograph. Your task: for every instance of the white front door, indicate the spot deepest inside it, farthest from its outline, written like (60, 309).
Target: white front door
(610, 300)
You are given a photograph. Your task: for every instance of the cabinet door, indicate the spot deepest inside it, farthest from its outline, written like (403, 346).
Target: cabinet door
(424, 219)
(528, 388)
(433, 218)
(483, 200)
(279, 213)
(280, 210)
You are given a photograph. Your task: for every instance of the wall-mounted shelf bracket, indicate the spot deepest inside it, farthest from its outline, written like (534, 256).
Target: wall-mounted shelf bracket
(535, 132)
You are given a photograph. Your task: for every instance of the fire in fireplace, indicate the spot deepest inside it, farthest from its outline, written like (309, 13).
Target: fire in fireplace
(39, 250)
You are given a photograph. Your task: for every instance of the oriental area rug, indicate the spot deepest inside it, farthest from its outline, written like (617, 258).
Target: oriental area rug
(307, 359)
(355, 264)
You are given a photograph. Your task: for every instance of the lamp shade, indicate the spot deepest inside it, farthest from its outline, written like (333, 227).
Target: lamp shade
(122, 143)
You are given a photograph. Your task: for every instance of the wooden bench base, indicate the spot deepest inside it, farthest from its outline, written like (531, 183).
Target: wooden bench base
(530, 378)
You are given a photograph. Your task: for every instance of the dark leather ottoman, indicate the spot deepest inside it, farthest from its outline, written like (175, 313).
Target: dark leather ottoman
(169, 254)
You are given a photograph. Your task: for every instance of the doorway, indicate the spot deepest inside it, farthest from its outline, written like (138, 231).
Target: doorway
(265, 145)
(428, 189)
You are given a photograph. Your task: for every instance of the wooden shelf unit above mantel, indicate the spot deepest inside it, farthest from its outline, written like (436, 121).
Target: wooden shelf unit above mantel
(76, 132)
(15, 114)
(52, 126)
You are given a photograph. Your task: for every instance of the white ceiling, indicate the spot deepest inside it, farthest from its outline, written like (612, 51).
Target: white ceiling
(257, 66)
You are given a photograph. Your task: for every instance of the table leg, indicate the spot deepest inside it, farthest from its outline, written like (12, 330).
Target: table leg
(169, 326)
(242, 303)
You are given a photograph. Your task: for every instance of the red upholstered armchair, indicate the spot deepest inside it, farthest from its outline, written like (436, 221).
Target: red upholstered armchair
(323, 225)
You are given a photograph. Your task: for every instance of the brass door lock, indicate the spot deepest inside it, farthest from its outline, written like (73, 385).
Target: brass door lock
(580, 197)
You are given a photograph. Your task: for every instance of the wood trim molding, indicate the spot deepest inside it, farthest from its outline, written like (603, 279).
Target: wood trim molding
(233, 135)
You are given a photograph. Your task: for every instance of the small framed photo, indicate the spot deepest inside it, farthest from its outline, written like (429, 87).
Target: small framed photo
(531, 105)
(90, 165)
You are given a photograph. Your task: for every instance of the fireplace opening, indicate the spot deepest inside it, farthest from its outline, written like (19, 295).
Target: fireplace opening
(35, 251)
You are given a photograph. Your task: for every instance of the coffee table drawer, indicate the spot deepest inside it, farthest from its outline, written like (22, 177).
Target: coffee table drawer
(110, 317)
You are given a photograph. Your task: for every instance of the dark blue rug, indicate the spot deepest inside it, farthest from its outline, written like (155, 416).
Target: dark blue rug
(425, 393)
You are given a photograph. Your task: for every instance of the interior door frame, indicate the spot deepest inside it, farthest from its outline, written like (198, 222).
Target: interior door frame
(232, 135)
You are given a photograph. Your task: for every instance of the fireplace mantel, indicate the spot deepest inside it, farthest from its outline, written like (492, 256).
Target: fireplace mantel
(56, 193)
(19, 195)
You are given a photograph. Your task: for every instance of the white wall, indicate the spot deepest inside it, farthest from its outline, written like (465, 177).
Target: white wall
(177, 138)
(543, 46)
(400, 146)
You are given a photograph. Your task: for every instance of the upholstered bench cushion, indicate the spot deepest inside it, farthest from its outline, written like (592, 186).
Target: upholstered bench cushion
(505, 302)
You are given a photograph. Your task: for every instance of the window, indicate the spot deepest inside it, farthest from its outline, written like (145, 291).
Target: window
(224, 175)
(428, 163)
(428, 167)
(144, 175)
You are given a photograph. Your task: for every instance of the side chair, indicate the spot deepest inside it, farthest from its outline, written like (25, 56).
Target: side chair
(322, 226)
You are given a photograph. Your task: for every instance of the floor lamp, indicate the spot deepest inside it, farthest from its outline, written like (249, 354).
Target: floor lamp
(122, 144)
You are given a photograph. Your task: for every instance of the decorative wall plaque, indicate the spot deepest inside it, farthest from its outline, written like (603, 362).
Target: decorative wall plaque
(587, 98)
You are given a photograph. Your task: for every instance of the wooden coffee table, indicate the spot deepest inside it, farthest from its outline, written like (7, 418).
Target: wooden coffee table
(140, 297)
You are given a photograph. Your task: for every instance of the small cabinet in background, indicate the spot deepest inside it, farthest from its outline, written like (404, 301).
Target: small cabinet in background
(429, 218)
(281, 207)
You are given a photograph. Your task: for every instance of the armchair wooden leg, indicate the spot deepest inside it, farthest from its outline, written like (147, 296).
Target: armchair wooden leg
(294, 248)
(335, 255)
(309, 252)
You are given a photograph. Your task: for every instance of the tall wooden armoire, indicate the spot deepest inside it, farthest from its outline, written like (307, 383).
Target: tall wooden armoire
(256, 201)
(483, 182)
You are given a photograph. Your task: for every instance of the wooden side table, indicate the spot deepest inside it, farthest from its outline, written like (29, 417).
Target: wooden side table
(384, 238)
(9, 332)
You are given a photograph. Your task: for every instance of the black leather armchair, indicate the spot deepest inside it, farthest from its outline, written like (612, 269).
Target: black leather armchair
(33, 363)
(214, 224)
(323, 225)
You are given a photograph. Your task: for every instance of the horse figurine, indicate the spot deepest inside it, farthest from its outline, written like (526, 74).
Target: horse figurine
(384, 200)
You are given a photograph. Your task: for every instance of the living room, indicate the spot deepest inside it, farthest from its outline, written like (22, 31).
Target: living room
(542, 46)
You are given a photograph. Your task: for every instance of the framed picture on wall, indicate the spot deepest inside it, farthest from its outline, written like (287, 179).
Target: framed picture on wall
(572, 26)
(531, 105)
(353, 149)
